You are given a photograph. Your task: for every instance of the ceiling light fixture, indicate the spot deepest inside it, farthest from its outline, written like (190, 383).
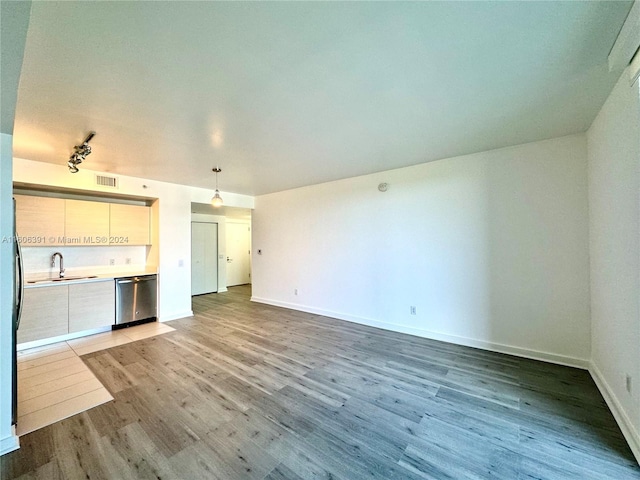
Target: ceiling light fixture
(216, 201)
(80, 153)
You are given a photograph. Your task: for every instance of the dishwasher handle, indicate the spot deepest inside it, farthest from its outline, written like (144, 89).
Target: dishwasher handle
(136, 279)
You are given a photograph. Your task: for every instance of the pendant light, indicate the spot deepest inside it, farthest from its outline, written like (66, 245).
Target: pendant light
(216, 201)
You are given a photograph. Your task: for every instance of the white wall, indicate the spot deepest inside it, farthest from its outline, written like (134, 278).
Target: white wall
(8, 441)
(14, 22)
(174, 204)
(491, 248)
(614, 222)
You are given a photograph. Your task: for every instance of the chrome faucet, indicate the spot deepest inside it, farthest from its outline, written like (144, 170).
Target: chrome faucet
(53, 263)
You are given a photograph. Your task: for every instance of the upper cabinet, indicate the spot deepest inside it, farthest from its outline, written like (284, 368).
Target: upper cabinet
(40, 220)
(129, 224)
(86, 223)
(47, 221)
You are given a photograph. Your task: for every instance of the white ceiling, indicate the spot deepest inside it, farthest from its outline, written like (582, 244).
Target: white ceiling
(282, 95)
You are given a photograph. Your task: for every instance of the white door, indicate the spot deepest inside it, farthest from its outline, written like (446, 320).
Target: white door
(204, 258)
(238, 254)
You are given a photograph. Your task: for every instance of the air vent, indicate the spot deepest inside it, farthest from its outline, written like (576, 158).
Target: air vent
(105, 181)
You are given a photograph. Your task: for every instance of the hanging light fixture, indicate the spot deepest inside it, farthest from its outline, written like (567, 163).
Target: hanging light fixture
(216, 201)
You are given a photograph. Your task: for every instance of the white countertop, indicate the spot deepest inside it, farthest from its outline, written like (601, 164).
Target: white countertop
(86, 276)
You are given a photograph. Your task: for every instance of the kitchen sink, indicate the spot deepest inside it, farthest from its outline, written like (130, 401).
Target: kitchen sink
(64, 279)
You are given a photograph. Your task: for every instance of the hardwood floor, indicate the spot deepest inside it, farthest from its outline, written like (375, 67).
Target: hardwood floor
(247, 391)
(54, 383)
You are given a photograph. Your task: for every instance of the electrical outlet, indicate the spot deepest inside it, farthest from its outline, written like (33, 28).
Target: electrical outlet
(128, 261)
(412, 310)
(112, 261)
(627, 379)
(295, 291)
(181, 263)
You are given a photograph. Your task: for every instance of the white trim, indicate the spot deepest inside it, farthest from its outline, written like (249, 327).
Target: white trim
(469, 342)
(10, 443)
(626, 425)
(176, 316)
(628, 41)
(222, 290)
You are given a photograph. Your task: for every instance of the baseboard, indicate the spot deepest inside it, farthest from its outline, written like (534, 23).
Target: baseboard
(10, 443)
(468, 342)
(222, 290)
(175, 316)
(628, 430)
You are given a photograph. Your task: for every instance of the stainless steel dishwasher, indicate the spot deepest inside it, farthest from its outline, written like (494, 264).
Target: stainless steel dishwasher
(136, 300)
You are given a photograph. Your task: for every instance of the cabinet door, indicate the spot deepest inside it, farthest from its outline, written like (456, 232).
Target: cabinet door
(45, 313)
(91, 305)
(40, 220)
(129, 224)
(86, 223)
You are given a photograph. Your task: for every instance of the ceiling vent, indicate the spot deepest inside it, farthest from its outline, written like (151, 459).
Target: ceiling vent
(105, 181)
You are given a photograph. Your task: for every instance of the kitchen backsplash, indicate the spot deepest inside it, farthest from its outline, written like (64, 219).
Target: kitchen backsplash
(98, 259)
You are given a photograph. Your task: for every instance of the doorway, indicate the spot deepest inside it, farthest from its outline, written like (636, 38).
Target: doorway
(238, 253)
(204, 258)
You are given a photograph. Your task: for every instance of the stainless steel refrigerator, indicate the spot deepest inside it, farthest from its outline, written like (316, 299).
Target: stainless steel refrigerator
(18, 295)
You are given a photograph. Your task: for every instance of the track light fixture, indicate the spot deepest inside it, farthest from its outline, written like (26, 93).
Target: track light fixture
(216, 201)
(80, 153)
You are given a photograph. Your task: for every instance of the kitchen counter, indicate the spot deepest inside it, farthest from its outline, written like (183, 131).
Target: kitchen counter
(86, 276)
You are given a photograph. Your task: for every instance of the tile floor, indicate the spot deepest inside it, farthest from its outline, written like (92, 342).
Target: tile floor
(54, 383)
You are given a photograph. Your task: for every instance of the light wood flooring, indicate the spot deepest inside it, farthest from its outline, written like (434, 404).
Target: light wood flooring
(54, 383)
(248, 391)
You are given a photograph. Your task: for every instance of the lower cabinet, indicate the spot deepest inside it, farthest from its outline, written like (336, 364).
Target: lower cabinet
(91, 305)
(45, 313)
(63, 309)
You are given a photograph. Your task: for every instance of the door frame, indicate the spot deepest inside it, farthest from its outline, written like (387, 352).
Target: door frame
(243, 223)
